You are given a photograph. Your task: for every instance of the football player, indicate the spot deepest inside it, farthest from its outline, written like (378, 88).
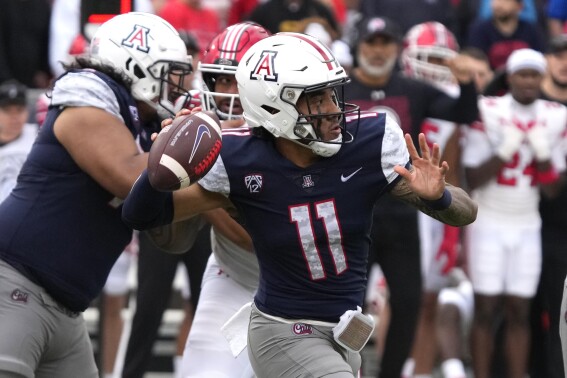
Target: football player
(377, 86)
(304, 178)
(512, 153)
(427, 47)
(231, 276)
(61, 225)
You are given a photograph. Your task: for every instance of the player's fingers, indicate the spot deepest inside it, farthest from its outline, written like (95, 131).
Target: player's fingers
(444, 168)
(154, 136)
(423, 146)
(411, 147)
(435, 155)
(183, 111)
(402, 171)
(196, 109)
(165, 122)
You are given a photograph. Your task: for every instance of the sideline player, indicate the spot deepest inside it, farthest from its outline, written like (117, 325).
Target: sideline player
(508, 157)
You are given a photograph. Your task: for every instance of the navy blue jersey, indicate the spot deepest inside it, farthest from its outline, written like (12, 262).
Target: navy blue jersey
(310, 226)
(59, 227)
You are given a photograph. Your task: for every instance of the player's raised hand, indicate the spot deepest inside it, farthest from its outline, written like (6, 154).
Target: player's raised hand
(427, 178)
(461, 68)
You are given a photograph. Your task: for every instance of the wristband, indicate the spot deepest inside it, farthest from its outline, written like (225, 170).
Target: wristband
(145, 207)
(547, 177)
(439, 204)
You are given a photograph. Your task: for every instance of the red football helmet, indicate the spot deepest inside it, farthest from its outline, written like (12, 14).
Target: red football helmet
(423, 42)
(221, 58)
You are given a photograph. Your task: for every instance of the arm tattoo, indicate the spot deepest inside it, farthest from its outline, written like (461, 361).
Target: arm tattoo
(461, 212)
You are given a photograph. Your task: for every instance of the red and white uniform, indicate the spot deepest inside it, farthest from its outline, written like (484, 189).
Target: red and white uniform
(433, 234)
(229, 282)
(504, 242)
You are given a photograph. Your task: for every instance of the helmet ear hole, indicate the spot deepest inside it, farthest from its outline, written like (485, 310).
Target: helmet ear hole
(270, 109)
(138, 72)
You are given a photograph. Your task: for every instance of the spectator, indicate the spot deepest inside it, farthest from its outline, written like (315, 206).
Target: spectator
(194, 17)
(294, 16)
(409, 13)
(376, 86)
(240, 11)
(313, 269)
(482, 73)
(70, 31)
(504, 244)
(469, 11)
(24, 31)
(16, 136)
(61, 224)
(504, 32)
(557, 17)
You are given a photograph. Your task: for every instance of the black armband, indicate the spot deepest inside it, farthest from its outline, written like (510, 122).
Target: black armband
(439, 204)
(145, 207)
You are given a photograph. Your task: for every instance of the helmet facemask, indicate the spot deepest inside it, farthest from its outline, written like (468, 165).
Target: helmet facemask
(210, 96)
(173, 86)
(307, 128)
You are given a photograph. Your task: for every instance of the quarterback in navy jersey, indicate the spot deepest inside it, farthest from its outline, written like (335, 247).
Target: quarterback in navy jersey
(304, 179)
(61, 226)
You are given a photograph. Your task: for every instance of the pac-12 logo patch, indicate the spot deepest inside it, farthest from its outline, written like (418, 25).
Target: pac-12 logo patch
(302, 329)
(265, 68)
(138, 39)
(254, 183)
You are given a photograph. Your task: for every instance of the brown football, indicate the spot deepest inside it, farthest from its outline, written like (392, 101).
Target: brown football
(184, 151)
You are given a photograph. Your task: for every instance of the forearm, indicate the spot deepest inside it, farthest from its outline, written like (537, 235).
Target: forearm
(145, 207)
(226, 225)
(467, 104)
(460, 211)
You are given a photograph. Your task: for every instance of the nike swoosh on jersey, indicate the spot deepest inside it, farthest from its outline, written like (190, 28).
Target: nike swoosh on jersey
(346, 178)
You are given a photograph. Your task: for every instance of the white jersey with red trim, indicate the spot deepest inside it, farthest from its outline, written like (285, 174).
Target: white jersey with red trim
(512, 195)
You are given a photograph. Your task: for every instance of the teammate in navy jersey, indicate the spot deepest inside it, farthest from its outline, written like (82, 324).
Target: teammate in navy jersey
(304, 178)
(61, 225)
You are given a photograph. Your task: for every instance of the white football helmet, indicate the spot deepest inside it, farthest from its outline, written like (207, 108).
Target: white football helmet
(150, 52)
(425, 41)
(272, 76)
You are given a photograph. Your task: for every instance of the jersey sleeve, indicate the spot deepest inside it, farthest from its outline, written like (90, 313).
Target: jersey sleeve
(394, 149)
(216, 180)
(85, 89)
(476, 146)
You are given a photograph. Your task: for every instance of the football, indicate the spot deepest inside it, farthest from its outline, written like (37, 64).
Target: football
(184, 151)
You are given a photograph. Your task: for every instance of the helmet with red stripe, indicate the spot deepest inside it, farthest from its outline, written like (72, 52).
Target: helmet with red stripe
(221, 57)
(425, 46)
(275, 73)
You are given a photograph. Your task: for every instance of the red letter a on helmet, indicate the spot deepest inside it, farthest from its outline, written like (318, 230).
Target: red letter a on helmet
(265, 69)
(138, 39)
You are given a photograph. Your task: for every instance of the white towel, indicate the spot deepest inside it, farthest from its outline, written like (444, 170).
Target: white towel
(235, 330)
